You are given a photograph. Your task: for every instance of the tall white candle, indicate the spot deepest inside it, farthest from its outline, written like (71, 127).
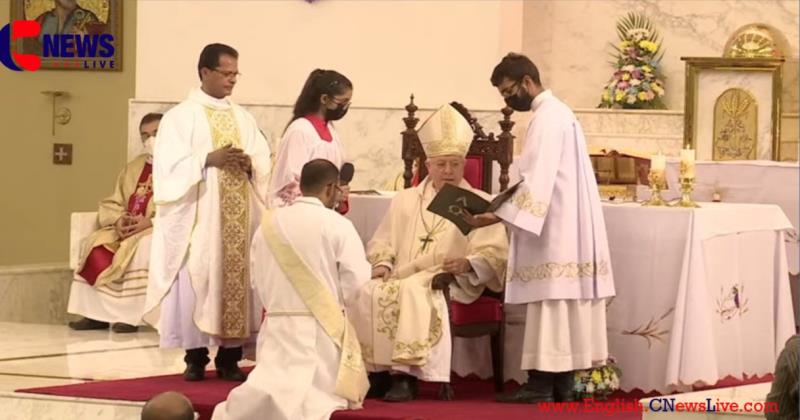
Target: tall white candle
(658, 163)
(687, 163)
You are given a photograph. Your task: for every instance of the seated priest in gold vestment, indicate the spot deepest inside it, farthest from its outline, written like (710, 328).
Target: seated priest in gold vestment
(402, 318)
(111, 279)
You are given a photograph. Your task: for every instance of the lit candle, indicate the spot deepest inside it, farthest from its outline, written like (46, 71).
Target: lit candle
(687, 163)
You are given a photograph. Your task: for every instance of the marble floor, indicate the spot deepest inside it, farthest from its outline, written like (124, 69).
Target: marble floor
(33, 355)
(36, 355)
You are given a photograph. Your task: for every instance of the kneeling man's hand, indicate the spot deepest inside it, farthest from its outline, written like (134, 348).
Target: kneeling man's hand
(382, 272)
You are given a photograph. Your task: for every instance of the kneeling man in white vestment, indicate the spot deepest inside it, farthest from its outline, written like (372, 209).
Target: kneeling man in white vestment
(401, 317)
(307, 264)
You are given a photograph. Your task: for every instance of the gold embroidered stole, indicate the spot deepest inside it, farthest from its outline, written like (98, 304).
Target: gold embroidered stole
(351, 379)
(235, 224)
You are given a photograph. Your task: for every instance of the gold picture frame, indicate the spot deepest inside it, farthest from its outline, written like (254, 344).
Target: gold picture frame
(78, 17)
(697, 66)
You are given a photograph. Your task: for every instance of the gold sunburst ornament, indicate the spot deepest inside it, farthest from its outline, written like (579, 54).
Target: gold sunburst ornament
(756, 40)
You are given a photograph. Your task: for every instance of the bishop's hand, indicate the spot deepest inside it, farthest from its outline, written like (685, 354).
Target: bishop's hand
(480, 220)
(457, 266)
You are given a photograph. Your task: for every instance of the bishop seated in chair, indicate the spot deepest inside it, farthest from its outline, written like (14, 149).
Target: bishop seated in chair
(401, 316)
(110, 282)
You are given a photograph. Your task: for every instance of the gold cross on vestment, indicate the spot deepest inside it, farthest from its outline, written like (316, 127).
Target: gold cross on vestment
(427, 239)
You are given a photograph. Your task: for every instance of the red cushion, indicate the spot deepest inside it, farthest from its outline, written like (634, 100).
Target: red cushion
(473, 171)
(485, 309)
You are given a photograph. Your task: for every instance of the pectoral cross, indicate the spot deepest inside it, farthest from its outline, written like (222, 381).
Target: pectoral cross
(425, 241)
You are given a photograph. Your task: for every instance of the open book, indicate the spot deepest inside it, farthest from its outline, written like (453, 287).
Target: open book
(451, 202)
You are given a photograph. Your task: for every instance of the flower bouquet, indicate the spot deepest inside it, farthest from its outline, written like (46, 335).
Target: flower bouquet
(598, 382)
(637, 82)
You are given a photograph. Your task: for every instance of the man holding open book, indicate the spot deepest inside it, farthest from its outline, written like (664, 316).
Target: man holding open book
(559, 264)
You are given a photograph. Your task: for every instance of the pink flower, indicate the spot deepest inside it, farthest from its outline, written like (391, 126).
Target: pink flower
(623, 85)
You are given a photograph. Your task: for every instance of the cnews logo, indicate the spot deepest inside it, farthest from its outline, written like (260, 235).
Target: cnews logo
(67, 46)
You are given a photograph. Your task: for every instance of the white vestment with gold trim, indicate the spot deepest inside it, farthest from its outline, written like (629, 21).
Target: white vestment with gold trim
(298, 363)
(402, 324)
(198, 292)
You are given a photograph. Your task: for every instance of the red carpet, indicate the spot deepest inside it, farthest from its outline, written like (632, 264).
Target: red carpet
(474, 399)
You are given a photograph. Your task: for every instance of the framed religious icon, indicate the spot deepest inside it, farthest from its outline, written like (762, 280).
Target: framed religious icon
(72, 34)
(733, 107)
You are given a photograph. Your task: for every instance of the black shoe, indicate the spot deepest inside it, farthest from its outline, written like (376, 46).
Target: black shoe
(194, 373)
(122, 328)
(379, 384)
(231, 373)
(446, 392)
(197, 356)
(404, 388)
(539, 388)
(86, 324)
(564, 387)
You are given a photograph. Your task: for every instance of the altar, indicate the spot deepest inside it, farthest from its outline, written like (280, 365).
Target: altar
(695, 288)
(751, 181)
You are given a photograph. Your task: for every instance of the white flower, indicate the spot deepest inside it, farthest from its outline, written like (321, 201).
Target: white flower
(590, 388)
(638, 34)
(631, 99)
(636, 82)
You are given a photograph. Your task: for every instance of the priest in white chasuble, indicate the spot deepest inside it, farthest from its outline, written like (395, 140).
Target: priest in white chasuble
(111, 278)
(401, 317)
(210, 172)
(308, 264)
(559, 264)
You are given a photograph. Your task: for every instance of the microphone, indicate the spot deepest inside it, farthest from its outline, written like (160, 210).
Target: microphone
(345, 176)
(346, 173)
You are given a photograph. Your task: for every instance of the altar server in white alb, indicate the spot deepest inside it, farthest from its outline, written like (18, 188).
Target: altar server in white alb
(311, 134)
(308, 264)
(559, 263)
(210, 172)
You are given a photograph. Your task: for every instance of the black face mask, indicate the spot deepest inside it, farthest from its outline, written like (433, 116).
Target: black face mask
(522, 101)
(336, 113)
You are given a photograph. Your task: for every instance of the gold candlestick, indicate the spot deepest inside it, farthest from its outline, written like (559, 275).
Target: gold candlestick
(655, 178)
(687, 186)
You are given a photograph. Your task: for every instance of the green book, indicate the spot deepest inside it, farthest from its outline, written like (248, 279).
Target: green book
(452, 201)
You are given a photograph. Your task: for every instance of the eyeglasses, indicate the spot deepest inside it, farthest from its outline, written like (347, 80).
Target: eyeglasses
(508, 91)
(343, 103)
(228, 74)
